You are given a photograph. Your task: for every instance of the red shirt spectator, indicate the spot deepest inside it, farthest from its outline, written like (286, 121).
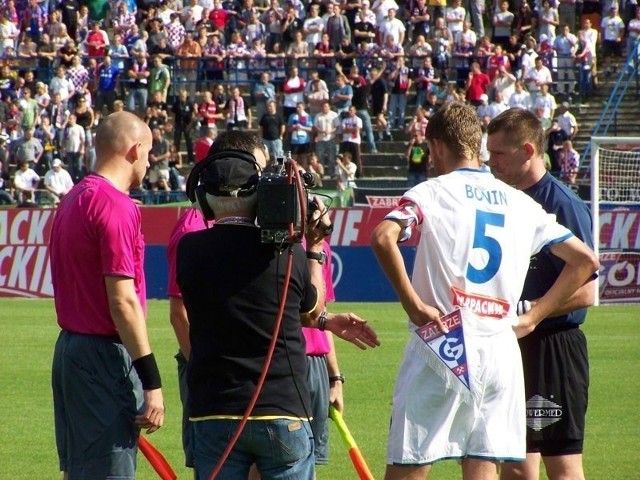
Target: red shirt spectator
(477, 84)
(96, 41)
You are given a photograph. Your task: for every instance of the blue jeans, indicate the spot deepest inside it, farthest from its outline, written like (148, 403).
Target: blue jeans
(326, 153)
(282, 449)
(397, 109)
(368, 128)
(275, 148)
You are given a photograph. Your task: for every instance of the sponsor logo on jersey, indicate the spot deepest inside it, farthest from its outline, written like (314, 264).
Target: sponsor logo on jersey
(542, 412)
(481, 305)
(448, 347)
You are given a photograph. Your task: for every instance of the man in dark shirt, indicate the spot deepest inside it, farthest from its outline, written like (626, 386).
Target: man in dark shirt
(230, 283)
(272, 128)
(184, 113)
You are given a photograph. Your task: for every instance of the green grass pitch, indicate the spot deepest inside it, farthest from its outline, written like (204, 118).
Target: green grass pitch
(27, 448)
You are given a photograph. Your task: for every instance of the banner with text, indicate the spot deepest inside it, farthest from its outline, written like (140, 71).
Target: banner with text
(24, 254)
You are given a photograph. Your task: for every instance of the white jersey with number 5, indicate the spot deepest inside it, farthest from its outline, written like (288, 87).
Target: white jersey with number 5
(477, 236)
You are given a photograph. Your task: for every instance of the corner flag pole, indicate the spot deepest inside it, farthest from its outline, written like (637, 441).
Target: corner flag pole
(354, 452)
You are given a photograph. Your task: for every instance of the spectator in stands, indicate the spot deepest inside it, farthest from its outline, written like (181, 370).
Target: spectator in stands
(633, 33)
(138, 75)
(612, 28)
(346, 178)
(567, 121)
(549, 20)
(545, 101)
(316, 96)
(503, 22)
(208, 113)
(482, 110)
(8, 33)
(498, 59)
(566, 47)
(298, 51)
(350, 128)
(313, 27)
(381, 9)
(25, 183)
(341, 95)
(300, 127)
(97, 40)
(504, 83)
(159, 160)
(393, 26)
(74, 148)
(361, 91)
(57, 181)
(293, 89)
(29, 109)
(184, 115)
(27, 148)
(454, 16)
(364, 28)
(237, 111)
(569, 163)
(536, 78)
(423, 78)
(400, 82)
(477, 84)
(325, 125)
(464, 44)
(272, 130)
(108, 79)
(159, 78)
(497, 106)
(442, 43)
(188, 54)
(202, 145)
(380, 100)
(61, 85)
(555, 138)
(586, 55)
(263, 91)
(336, 26)
(46, 133)
(316, 168)
(437, 9)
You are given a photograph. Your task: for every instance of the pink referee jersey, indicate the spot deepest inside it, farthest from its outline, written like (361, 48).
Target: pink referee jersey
(190, 221)
(317, 343)
(96, 233)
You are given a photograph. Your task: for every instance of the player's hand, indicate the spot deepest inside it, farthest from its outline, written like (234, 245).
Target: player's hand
(426, 314)
(352, 328)
(153, 417)
(526, 325)
(335, 396)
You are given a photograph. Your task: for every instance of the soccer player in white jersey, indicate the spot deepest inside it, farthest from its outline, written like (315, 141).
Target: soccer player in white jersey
(477, 235)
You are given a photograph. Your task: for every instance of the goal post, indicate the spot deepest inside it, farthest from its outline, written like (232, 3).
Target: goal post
(615, 207)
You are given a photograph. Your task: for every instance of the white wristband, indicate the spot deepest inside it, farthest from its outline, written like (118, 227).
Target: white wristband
(523, 307)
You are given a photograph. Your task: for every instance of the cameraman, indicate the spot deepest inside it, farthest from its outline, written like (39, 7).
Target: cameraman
(231, 285)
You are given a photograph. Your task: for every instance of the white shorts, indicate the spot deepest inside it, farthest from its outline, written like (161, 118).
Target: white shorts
(156, 175)
(435, 417)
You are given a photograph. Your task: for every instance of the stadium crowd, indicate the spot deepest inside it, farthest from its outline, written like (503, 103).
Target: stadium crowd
(316, 78)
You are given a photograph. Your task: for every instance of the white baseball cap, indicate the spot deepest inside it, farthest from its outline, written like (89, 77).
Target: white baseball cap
(56, 162)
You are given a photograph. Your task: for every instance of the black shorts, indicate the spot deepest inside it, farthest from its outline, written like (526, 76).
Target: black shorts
(301, 148)
(556, 372)
(611, 48)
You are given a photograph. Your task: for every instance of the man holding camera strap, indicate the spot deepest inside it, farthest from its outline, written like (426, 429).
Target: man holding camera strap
(231, 284)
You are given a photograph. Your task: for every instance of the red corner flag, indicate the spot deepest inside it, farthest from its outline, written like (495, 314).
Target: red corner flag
(156, 459)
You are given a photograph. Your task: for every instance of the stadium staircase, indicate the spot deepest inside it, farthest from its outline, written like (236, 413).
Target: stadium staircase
(612, 110)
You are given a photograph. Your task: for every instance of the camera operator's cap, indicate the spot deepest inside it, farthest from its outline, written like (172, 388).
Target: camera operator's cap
(225, 176)
(56, 162)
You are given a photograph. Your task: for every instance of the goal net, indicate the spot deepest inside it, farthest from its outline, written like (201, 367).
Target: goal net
(615, 206)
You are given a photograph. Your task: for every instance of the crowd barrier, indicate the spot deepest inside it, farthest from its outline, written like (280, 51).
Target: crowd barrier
(25, 271)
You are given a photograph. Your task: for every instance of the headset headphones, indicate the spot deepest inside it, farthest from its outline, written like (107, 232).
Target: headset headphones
(197, 187)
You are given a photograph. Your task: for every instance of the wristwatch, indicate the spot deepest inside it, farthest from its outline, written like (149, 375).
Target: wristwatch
(337, 378)
(321, 257)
